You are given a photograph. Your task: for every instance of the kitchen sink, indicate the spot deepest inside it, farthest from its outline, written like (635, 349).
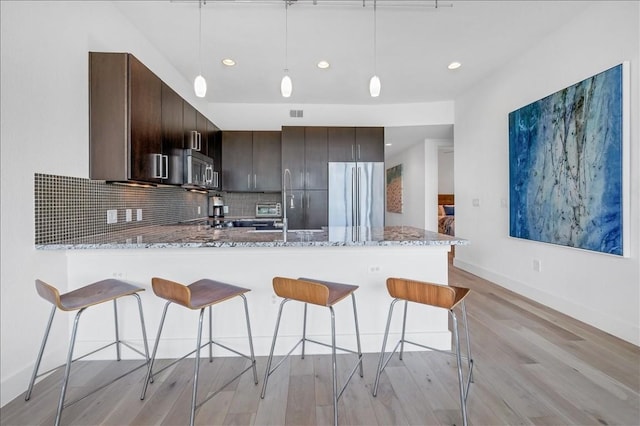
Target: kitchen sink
(301, 231)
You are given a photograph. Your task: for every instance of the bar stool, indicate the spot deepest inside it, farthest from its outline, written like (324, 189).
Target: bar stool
(79, 300)
(321, 293)
(199, 295)
(441, 296)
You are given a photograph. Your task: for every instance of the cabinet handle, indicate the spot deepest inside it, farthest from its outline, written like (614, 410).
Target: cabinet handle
(302, 182)
(353, 155)
(208, 173)
(165, 167)
(194, 140)
(199, 142)
(254, 181)
(248, 181)
(157, 166)
(308, 201)
(359, 151)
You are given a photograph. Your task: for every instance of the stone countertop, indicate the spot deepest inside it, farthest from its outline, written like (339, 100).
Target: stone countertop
(191, 236)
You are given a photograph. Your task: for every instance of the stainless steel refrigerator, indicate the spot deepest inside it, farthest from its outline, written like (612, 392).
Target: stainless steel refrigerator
(356, 195)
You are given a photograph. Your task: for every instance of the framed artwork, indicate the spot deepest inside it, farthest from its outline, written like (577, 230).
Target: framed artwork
(394, 189)
(566, 157)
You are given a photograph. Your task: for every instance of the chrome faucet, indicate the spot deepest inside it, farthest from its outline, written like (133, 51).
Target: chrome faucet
(285, 220)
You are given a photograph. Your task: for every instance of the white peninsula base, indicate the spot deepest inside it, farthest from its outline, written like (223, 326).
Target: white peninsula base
(254, 268)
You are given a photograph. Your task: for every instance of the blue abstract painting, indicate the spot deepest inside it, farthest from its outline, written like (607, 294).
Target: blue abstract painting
(565, 166)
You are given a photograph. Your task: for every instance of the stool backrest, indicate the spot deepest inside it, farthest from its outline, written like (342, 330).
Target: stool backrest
(48, 292)
(442, 296)
(301, 290)
(171, 290)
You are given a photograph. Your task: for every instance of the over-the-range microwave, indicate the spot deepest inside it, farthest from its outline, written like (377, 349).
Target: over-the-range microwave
(198, 171)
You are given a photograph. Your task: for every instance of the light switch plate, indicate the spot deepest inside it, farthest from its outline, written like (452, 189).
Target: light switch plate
(139, 215)
(112, 216)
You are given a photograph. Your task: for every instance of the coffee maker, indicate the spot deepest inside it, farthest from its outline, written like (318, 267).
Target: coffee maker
(216, 210)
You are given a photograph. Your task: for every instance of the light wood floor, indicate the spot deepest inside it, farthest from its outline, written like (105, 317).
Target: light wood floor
(534, 366)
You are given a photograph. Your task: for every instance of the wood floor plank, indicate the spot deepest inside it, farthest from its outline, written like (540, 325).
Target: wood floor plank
(301, 401)
(273, 408)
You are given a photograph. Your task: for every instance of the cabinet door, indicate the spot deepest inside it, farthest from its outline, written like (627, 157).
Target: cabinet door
(315, 156)
(190, 128)
(370, 143)
(267, 161)
(341, 143)
(145, 100)
(237, 161)
(201, 128)
(316, 209)
(293, 155)
(172, 134)
(214, 150)
(295, 214)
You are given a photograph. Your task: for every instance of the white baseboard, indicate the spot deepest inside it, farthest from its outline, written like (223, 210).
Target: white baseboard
(615, 326)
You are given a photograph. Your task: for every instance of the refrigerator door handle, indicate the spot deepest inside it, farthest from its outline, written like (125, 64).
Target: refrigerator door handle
(354, 184)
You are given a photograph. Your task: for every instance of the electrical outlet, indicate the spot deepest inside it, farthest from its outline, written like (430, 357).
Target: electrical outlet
(225, 209)
(199, 211)
(127, 215)
(374, 269)
(112, 216)
(139, 215)
(537, 265)
(475, 202)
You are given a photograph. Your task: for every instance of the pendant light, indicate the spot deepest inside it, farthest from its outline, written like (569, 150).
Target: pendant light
(286, 85)
(374, 83)
(200, 84)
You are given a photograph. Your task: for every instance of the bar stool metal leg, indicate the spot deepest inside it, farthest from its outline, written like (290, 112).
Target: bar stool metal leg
(466, 329)
(381, 362)
(304, 329)
(355, 317)
(268, 370)
(67, 368)
(115, 320)
(463, 392)
(253, 356)
(404, 327)
(40, 353)
(334, 366)
(155, 350)
(210, 334)
(196, 370)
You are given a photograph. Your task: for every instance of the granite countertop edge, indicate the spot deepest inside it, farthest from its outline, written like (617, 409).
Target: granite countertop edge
(391, 236)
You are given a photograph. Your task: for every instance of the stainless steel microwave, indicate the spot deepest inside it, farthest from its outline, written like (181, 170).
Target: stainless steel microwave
(198, 170)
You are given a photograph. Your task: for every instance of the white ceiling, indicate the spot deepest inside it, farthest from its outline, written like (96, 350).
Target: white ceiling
(415, 43)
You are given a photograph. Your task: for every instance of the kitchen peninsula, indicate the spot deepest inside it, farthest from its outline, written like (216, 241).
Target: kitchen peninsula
(186, 253)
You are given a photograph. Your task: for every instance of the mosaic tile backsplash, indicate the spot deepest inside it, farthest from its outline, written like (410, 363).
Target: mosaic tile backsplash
(70, 209)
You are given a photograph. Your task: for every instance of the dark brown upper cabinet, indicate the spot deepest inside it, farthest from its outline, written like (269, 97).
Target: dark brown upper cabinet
(172, 134)
(304, 153)
(125, 118)
(251, 161)
(356, 143)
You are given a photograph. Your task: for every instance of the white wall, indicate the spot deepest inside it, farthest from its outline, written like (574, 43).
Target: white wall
(44, 108)
(445, 170)
(602, 290)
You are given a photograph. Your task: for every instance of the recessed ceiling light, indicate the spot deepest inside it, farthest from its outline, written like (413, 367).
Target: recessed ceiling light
(228, 62)
(388, 144)
(323, 64)
(454, 65)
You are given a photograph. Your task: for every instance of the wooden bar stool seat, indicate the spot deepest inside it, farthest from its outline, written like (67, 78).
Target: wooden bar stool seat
(321, 293)
(440, 296)
(200, 295)
(79, 300)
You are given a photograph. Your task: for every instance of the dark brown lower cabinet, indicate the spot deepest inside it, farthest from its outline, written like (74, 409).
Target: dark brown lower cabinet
(309, 209)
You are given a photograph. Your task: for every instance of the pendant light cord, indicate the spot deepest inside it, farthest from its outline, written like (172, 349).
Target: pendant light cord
(200, 34)
(286, 35)
(375, 39)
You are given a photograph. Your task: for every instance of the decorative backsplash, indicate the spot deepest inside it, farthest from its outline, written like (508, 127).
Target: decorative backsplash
(71, 208)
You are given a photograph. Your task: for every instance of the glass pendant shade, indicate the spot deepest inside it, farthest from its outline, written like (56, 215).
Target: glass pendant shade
(200, 86)
(374, 86)
(286, 86)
